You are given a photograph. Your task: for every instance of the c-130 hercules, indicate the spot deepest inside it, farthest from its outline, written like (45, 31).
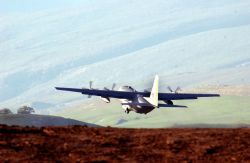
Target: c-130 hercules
(139, 102)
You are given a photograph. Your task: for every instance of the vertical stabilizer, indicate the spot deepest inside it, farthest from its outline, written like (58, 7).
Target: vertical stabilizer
(153, 99)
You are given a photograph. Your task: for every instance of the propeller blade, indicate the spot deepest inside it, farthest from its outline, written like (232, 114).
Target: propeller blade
(105, 88)
(170, 89)
(90, 84)
(113, 86)
(177, 89)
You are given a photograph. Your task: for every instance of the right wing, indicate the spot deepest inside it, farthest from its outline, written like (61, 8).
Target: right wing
(183, 96)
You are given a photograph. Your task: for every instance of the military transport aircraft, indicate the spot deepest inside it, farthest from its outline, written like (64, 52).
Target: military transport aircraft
(140, 102)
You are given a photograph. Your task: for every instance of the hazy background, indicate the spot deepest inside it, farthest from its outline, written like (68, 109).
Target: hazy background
(202, 46)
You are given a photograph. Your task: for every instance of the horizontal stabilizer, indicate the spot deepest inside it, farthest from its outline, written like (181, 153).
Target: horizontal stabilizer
(169, 106)
(137, 104)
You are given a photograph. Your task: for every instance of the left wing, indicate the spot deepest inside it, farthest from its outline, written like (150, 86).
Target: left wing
(102, 93)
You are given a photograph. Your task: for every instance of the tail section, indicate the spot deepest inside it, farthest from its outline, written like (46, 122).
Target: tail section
(153, 99)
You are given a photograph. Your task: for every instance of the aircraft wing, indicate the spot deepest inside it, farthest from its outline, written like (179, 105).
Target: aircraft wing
(132, 95)
(183, 96)
(102, 93)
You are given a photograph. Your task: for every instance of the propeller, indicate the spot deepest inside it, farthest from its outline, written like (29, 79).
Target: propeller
(90, 84)
(113, 87)
(90, 87)
(170, 89)
(176, 90)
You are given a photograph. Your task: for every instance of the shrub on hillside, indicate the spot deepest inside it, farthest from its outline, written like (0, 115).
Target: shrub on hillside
(5, 111)
(25, 110)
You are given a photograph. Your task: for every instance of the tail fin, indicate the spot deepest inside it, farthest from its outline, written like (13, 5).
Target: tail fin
(153, 99)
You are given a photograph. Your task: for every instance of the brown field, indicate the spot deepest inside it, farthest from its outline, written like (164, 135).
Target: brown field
(84, 144)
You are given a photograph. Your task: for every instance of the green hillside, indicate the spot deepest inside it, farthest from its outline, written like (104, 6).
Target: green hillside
(226, 111)
(39, 120)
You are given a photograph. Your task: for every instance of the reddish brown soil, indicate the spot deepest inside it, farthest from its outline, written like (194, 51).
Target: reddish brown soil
(83, 144)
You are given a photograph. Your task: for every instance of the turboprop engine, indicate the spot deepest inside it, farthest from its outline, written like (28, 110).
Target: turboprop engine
(105, 99)
(169, 102)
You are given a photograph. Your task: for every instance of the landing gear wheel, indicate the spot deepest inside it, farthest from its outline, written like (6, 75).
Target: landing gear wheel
(169, 102)
(127, 111)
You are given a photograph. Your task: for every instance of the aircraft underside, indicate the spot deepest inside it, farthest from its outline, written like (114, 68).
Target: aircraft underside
(136, 108)
(140, 110)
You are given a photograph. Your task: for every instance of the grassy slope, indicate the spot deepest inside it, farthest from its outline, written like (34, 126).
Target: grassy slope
(226, 110)
(38, 120)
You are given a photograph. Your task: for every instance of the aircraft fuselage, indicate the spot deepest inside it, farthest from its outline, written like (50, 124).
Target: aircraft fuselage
(133, 105)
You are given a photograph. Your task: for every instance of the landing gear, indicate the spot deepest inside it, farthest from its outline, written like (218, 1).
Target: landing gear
(127, 111)
(169, 102)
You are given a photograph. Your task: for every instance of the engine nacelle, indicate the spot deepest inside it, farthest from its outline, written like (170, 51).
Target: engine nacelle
(169, 102)
(105, 99)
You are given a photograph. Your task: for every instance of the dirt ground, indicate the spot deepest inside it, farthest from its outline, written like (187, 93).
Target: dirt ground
(84, 144)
